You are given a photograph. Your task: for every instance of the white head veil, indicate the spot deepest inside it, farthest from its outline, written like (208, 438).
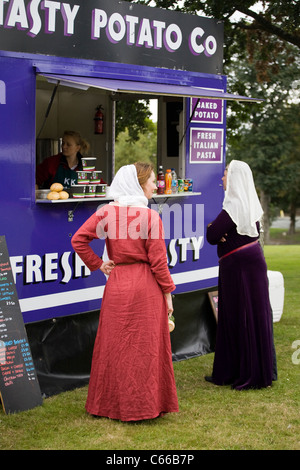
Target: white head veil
(241, 201)
(126, 189)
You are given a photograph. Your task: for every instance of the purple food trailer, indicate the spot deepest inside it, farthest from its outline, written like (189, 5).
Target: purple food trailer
(59, 61)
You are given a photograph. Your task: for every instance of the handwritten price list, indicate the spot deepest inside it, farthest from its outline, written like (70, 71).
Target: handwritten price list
(15, 360)
(19, 387)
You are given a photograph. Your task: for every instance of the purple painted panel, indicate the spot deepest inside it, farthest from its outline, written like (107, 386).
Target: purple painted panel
(50, 279)
(215, 107)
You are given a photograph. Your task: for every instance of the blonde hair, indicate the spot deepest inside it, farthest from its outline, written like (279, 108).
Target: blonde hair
(84, 145)
(143, 171)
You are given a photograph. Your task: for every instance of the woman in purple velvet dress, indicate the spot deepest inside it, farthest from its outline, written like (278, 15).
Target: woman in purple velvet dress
(244, 352)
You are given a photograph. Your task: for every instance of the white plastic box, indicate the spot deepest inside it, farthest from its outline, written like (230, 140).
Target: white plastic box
(276, 293)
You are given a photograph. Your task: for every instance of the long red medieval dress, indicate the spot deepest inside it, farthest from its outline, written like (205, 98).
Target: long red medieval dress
(132, 375)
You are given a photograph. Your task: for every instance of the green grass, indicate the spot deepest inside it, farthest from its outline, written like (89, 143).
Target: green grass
(280, 236)
(210, 417)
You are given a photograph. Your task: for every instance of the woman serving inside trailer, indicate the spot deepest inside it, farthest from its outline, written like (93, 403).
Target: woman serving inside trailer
(61, 168)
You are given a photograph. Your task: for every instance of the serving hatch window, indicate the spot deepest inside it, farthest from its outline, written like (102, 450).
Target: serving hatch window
(130, 131)
(136, 132)
(60, 108)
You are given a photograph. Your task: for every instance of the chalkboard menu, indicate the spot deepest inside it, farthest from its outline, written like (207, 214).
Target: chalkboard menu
(19, 387)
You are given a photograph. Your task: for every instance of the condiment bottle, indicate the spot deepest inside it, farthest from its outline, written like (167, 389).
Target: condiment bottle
(168, 180)
(160, 181)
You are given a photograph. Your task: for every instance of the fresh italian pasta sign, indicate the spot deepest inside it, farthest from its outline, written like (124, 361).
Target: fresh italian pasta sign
(112, 31)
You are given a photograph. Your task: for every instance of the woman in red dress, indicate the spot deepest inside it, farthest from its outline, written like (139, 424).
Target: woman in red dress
(132, 375)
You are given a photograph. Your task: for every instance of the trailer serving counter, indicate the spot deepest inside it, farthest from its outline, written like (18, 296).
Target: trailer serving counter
(59, 61)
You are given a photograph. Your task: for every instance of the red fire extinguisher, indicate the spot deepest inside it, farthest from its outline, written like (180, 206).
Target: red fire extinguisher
(98, 120)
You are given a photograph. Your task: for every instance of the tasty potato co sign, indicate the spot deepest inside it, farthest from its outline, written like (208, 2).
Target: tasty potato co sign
(112, 31)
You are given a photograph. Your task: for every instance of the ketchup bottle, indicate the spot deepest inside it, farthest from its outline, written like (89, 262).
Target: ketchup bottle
(168, 179)
(160, 181)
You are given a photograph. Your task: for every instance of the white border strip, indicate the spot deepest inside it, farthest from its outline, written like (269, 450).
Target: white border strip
(95, 293)
(41, 302)
(198, 275)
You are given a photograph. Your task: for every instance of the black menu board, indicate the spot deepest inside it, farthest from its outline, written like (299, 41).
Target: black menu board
(19, 387)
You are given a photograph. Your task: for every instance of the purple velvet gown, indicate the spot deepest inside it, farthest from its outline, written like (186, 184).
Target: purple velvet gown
(244, 353)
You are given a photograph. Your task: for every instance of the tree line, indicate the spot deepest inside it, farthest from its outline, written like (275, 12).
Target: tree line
(261, 60)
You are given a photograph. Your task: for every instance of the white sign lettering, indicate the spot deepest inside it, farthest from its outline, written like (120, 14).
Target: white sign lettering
(44, 15)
